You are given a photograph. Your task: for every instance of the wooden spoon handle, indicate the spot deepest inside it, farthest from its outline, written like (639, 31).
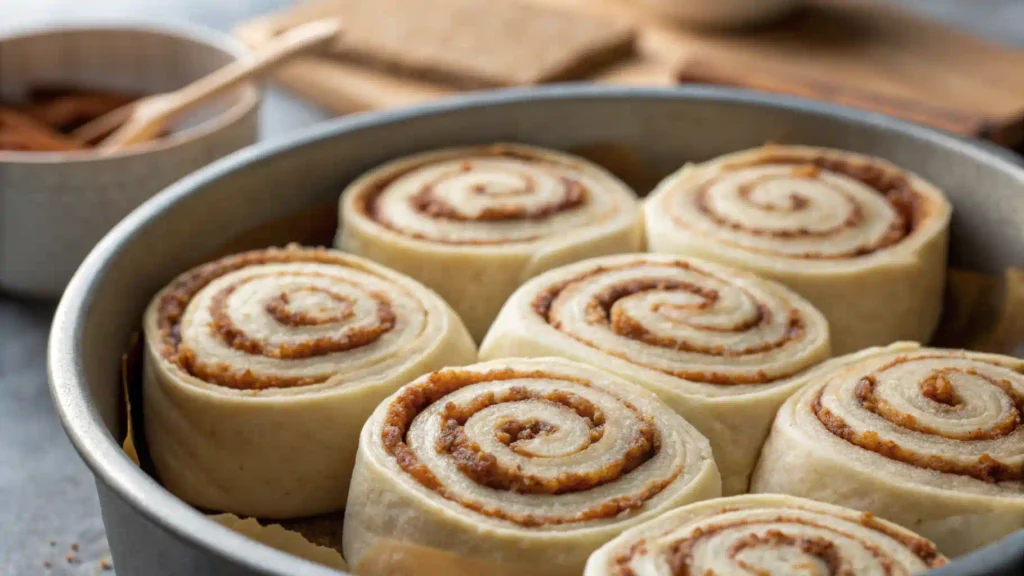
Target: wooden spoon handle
(293, 41)
(151, 115)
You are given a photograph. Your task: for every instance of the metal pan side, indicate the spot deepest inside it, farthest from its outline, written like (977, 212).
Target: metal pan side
(153, 532)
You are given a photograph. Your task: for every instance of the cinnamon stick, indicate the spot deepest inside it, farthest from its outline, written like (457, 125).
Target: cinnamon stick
(21, 132)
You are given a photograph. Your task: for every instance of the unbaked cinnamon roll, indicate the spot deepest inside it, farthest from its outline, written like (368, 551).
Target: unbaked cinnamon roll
(475, 223)
(261, 368)
(765, 534)
(863, 240)
(519, 463)
(931, 439)
(721, 346)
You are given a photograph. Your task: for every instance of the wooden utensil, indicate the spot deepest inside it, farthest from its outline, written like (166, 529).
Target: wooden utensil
(149, 116)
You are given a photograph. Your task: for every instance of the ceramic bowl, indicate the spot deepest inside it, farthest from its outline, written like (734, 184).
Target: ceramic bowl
(55, 206)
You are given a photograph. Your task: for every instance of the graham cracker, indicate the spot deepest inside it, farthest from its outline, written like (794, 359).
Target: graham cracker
(473, 43)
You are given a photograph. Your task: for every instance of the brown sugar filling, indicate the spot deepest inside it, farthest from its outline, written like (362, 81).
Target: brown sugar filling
(602, 311)
(280, 310)
(174, 301)
(893, 186)
(820, 548)
(680, 554)
(236, 338)
(484, 469)
(985, 468)
(515, 432)
(426, 201)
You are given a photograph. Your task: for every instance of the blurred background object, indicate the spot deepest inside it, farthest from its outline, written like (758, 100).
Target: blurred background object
(868, 54)
(724, 13)
(49, 517)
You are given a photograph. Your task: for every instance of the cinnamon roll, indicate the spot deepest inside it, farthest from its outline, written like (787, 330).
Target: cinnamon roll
(523, 459)
(720, 346)
(765, 534)
(475, 223)
(863, 240)
(260, 368)
(929, 438)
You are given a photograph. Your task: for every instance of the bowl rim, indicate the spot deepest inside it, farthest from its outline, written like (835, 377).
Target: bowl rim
(249, 99)
(102, 453)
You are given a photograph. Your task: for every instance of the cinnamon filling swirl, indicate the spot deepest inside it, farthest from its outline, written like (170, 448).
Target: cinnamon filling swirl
(672, 306)
(274, 313)
(947, 393)
(817, 541)
(567, 396)
(822, 207)
(495, 186)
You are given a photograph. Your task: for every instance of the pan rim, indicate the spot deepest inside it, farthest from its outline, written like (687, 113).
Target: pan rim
(101, 452)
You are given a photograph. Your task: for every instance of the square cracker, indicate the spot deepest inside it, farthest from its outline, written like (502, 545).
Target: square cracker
(476, 43)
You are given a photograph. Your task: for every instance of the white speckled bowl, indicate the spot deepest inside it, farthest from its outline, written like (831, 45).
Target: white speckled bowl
(55, 206)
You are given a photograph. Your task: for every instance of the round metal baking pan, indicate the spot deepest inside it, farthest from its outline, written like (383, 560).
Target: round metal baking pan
(241, 201)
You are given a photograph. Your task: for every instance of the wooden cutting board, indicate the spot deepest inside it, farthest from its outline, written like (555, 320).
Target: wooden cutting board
(862, 53)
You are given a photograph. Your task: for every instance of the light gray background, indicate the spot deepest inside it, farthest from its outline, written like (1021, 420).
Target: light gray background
(46, 493)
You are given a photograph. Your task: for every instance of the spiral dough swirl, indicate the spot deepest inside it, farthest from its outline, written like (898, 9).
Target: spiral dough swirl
(261, 368)
(504, 423)
(802, 206)
(542, 444)
(768, 534)
(936, 411)
(722, 347)
(929, 438)
(285, 318)
(862, 239)
(490, 195)
(686, 318)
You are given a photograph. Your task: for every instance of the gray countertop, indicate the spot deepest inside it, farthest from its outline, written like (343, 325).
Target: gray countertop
(47, 498)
